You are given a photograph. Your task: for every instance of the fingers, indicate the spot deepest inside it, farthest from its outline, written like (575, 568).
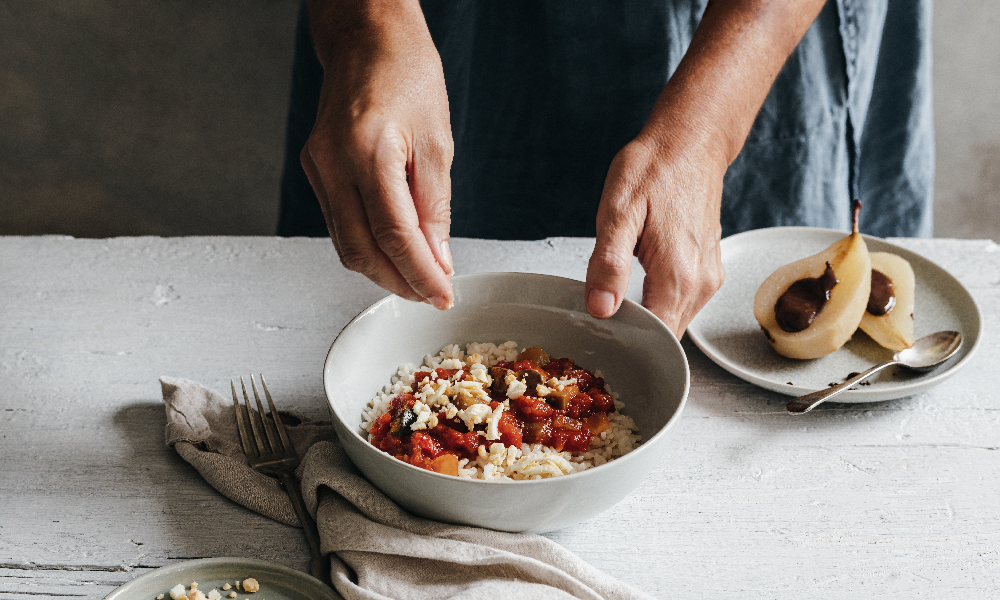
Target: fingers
(380, 151)
(374, 222)
(680, 280)
(430, 187)
(683, 267)
(619, 227)
(666, 214)
(396, 225)
(350, 231)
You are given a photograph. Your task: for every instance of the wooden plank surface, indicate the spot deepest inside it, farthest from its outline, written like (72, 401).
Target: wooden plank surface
(894, 499)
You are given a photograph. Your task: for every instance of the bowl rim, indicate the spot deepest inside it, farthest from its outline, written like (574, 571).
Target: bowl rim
(635, 454)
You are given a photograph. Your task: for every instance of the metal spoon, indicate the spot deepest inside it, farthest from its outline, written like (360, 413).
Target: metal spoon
(925, 354)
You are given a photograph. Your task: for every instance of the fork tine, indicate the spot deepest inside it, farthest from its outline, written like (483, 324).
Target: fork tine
(280, 463)
(258, 437)
(241, 424)
(268, 424)
(277, 418)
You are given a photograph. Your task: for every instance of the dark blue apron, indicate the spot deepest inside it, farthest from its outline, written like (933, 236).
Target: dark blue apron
(544, 94)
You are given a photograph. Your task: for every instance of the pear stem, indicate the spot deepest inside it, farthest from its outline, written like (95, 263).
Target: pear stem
(856, 208)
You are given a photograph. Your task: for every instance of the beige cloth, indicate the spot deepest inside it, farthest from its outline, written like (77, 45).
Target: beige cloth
(377, 550)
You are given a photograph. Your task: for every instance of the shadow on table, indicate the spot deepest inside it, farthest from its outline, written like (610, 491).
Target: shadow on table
(718, 393)
(183, 514)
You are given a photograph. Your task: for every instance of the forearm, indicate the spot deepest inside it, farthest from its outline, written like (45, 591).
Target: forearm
(337, 25)
(663, 194)
(380, 152)
(735, 55)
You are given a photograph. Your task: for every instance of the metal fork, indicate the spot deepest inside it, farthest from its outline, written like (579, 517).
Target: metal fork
(268, 451)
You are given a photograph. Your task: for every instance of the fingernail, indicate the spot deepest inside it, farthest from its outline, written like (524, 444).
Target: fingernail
(449, 267)
(600, 303)
(440, 302)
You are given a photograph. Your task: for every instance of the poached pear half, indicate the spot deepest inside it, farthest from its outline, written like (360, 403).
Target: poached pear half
(811, 307)
(888, 318)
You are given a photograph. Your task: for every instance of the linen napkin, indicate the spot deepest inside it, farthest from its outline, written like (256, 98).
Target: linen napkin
(377, 550)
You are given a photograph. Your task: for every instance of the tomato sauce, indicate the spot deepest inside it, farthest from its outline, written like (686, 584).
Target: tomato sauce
(565, 419)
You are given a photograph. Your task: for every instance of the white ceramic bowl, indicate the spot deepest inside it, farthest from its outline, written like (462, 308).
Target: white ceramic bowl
(639, 357)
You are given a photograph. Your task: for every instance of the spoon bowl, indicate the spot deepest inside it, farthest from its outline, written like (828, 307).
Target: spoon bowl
(925, 354)
(929, 351)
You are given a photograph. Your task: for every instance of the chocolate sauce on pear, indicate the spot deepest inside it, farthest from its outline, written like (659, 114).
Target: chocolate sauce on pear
(797, 308)
(882, 298)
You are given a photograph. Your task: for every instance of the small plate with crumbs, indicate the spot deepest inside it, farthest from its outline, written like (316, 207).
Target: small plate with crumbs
(224, 579)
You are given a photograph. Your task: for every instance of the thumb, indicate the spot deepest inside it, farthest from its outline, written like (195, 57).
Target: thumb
(610, 265)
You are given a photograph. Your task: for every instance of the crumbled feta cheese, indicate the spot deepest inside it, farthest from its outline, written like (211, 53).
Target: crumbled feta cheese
(493, 423)
(474, 415)
(479, 373)
(177, 591)
(423, 413)
(438, 400)
(436, 394)
(562, 383)
(471, 392)
(516, 389)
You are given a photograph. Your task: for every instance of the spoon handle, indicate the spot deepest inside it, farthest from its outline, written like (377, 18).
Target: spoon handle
(804, 404)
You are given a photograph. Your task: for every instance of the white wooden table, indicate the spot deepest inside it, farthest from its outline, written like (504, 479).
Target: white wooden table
(898, 499)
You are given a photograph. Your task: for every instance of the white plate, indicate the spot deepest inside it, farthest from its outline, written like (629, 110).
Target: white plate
(727, 332)
(276, 581)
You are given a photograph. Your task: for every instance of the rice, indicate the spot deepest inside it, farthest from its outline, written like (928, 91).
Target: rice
(495, 461)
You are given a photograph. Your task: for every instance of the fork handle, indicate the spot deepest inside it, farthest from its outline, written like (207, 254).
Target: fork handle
(316, 566)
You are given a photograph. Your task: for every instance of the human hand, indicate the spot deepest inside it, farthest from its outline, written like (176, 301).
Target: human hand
(662, 197)
(661, 204)
(380, 153)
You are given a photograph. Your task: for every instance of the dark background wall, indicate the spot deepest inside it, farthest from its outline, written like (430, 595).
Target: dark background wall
(967, 118)
(166, 117)
(142, 117)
